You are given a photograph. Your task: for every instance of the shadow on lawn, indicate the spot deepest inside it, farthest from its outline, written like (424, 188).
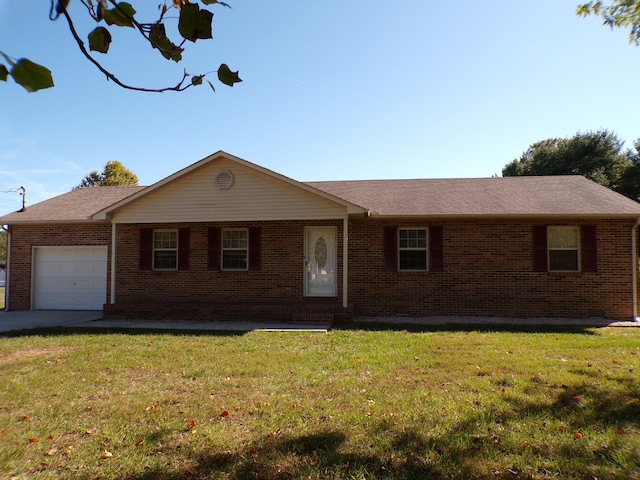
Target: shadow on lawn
(474, 448)
(464, 327)
(66, 331)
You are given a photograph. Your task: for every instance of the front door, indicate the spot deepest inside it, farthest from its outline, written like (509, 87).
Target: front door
(320, 262)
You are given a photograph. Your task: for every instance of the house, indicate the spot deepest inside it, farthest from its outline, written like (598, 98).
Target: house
(226, 239)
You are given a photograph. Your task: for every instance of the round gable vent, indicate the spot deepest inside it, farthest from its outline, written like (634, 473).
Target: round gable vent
(224, 180)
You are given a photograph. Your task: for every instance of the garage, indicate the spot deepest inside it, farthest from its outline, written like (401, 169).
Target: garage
(69, 278)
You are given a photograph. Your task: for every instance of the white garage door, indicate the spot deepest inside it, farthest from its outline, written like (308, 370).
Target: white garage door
(70, 278)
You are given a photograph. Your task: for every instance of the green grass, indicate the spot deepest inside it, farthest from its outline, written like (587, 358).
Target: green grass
(2, 298)
(341, 405)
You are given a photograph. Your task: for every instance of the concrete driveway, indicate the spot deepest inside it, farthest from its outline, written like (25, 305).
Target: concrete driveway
(21, 320)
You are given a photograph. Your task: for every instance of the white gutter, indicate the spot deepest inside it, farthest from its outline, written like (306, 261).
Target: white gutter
(634, 270)
(8, 270)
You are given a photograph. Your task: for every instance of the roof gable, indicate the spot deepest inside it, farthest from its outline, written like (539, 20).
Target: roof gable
(223, 187)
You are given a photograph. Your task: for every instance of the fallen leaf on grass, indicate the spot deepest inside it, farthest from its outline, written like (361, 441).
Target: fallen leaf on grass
(577, 435)
(140, 442)
(224, 414)
(106, 454)
(622, 431)
(34, 440)
(51, 452)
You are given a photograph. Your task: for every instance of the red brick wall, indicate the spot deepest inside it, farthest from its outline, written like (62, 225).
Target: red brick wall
(488, 272)
(24, 237)
(280, 278)
(488, 269)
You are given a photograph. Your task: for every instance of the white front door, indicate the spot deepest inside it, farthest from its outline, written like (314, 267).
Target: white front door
(320, 262)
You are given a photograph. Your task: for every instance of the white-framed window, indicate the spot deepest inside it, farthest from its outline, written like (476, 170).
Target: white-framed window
(165, 249)
(563, 249)
(412, 249)
(235, 249)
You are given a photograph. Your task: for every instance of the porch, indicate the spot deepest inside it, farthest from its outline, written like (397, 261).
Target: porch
(303, 312)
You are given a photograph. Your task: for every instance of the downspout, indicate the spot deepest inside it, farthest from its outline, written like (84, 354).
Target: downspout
(345, 261)
(7, 284)
(634, 270)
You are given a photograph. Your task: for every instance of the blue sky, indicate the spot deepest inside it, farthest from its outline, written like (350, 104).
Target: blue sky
(331, 90)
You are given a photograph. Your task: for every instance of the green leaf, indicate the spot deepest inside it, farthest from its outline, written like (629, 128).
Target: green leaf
(120, 15)
(195, 23)
(210, 2)
(226, 76)
(99, 40)
(159, 40)
(196, 80)
(31, 76)
(4, 73)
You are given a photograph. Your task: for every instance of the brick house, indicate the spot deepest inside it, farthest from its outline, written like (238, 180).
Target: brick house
(225, 239)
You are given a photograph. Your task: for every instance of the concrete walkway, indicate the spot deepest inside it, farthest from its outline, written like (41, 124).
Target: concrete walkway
(25, 320)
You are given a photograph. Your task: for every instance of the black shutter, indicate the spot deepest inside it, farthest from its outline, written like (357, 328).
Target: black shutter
(255, 253)
(213, 248)
(146, 249)
(184, 248)
(540, 263)
(589, 244)
(436, 249)
(390, 239)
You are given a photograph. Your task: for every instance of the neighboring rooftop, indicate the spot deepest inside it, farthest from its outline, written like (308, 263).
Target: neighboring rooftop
(77, 205)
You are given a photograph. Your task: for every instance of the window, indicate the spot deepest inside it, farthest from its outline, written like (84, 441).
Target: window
(563, 246)
(165, 249)
(234, 249)
(412, 249)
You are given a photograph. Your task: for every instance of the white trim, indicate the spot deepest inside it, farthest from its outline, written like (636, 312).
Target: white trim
(245, 249)
(577, 248)
(154, 249)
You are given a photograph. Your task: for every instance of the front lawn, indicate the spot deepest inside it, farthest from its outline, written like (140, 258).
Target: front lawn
(345, 404)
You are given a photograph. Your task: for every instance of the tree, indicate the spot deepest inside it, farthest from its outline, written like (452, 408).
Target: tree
(599, 156)
(620, 13)
(114, 174)
(194, 23)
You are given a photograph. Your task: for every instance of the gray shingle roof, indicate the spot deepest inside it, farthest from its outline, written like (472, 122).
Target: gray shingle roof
(77, 205)
(509, 196)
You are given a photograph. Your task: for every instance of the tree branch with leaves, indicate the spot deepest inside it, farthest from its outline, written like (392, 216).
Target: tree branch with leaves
(618, 14)
(194, 23)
